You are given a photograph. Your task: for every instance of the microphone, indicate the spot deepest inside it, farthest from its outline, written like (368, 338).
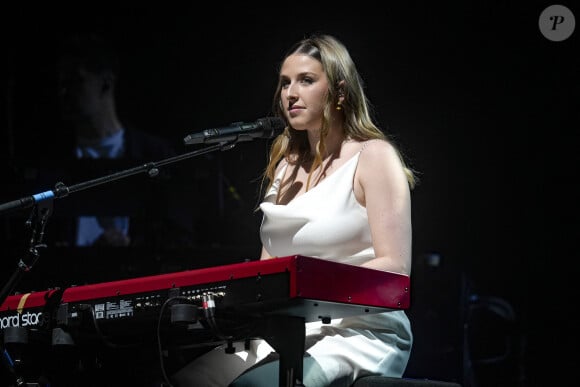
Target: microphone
(267, 127)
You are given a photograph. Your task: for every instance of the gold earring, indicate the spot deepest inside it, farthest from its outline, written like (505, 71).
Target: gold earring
(339, 102)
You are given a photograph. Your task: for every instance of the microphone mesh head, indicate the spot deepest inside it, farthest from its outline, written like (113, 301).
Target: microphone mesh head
(273, 126)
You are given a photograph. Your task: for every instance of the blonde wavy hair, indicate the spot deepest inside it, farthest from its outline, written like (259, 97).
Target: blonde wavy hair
(292, 145)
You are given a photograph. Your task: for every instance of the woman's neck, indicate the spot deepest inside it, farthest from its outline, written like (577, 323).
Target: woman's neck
(332, 143)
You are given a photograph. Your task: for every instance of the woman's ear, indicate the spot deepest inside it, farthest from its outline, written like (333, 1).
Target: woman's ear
(340, 87)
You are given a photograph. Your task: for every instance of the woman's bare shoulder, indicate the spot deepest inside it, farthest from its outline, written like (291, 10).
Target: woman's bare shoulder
(379, 155)
(377, 149)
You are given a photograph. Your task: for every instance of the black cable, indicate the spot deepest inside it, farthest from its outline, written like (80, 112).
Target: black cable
(159, 346)
(100, 334)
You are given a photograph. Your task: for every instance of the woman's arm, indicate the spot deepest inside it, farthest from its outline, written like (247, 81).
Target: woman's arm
(382, 187)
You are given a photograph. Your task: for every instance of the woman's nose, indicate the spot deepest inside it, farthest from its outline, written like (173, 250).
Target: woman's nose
(290, 93)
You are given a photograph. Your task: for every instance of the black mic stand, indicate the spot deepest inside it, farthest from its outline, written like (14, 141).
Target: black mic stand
(42, 204)
(37, 224)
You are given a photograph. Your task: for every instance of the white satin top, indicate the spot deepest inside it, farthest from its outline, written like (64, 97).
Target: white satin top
(326, 222)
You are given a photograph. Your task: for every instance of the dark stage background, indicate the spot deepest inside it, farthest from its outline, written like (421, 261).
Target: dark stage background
(481, 103)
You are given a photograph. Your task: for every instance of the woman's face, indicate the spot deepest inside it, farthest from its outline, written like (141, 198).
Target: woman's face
(304, 88)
